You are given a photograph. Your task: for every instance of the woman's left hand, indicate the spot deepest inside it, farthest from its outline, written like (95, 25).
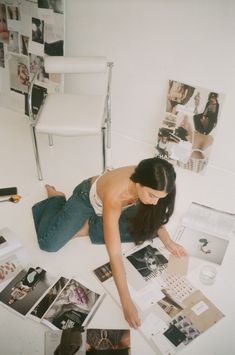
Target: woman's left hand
(176, 249)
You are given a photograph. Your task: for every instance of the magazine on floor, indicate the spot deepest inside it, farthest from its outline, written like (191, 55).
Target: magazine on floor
(8, 242)
(26, 288)
(172, 310)
(13, 257)
(93, 340)
(74, 306)
(205, 232)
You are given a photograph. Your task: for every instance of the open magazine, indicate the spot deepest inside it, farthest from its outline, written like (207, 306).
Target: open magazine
(172, 310)
(93, 340)
(30, 290)
(74, 306)
(13, 257)
(205, 232)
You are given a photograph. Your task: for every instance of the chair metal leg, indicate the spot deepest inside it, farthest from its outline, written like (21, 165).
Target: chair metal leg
(50, 138)
(36, 153)
(104, 147)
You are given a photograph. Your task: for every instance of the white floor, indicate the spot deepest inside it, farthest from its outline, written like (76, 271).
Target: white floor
(64, 166)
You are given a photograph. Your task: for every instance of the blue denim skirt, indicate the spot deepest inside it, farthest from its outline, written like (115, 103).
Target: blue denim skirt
(57, 220)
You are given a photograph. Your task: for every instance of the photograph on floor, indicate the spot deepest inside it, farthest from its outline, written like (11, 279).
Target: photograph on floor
(42, 307)
(203, 245)
(117, 341)
(26, 289)
(148, 261)
(72, 306)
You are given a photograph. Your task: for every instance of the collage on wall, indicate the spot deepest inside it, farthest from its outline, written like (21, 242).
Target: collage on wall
(188, 128)
(30, 30)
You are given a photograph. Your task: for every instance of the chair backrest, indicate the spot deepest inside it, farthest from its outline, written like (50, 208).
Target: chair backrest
(56, 64)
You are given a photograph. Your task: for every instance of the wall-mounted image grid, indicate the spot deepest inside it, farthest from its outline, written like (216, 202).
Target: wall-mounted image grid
(148, 261)
(30, 31)
(187, 132)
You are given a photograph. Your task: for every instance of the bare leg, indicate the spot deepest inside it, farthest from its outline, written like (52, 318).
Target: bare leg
(51, 191)
(83, 231)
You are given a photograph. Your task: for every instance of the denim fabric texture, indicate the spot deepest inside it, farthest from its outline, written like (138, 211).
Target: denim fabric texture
(57, 220)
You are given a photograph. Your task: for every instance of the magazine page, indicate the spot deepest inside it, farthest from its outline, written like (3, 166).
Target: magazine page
(8, 242)
(187, 132)
(44, 304)
(58, 342)
(173, 312)
(11, 265)
(25, 289)
(93, 340)
(203, 245)
(73, 307)
(112, 341)
(209, 220)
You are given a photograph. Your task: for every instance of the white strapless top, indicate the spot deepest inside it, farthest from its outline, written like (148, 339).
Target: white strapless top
(96, 201)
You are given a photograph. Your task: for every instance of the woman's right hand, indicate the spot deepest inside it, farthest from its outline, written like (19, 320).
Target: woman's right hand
(131, 314)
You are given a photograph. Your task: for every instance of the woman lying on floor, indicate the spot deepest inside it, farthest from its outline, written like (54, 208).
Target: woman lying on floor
(128, 204)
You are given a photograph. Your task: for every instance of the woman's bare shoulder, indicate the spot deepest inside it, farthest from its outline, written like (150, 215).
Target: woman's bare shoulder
(113, 183)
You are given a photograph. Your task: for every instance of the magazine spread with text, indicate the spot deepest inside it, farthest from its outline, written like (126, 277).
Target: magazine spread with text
(172, 310)
(205, 232)
(74, 306)
(31, 291)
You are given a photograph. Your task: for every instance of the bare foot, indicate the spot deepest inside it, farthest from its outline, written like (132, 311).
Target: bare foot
(51, 191)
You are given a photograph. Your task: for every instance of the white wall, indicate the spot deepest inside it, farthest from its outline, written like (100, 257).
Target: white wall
(151, 41)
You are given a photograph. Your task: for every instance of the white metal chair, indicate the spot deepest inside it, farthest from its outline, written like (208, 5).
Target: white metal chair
(73, 114)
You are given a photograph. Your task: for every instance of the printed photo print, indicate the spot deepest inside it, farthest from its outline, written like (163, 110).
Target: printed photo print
(169, 305)
(70, 341)
(104, 341)
(72, 306)
(4, 33)
(103, 272)
(19, 73)
(37, 30)
(9, 267)
(148, 261)
(49, 298)
(185, 326)
(25, 289)
(56, 5)
(37, 66)
(188, 127)
(2, 57)
(203, 245)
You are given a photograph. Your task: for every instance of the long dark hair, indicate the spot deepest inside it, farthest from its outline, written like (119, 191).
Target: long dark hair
(158, 174)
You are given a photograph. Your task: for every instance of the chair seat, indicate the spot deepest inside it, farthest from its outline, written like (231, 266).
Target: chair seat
(71, 114)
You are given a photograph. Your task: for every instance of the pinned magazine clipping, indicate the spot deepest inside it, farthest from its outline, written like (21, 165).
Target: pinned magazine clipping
(187, 131)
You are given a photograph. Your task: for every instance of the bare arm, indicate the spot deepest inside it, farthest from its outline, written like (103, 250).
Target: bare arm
(171, 246)
(111, 215)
